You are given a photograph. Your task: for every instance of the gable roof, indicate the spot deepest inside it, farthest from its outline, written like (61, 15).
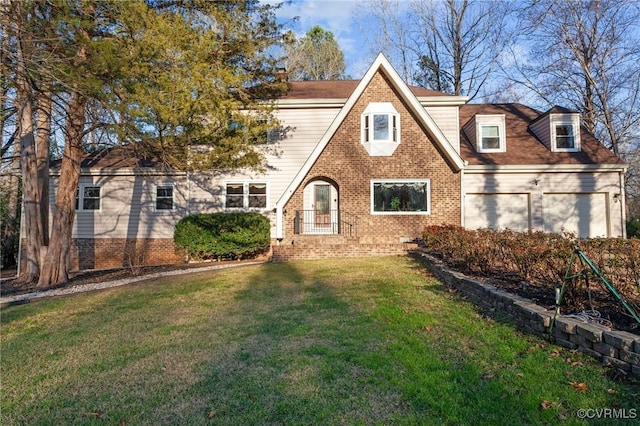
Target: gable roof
(523, 147)
(119, 160)
(336, 89)
(381, 64)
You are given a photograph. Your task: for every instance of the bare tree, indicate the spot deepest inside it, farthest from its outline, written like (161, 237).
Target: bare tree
(446, 45)
(585, 55)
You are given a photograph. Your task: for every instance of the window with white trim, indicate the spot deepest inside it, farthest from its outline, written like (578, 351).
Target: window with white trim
(164, 197)
(380, 129)
(401, 196)
(490, 133)
(564, 136)
(565, 133)
(88, 198)
(246, 195)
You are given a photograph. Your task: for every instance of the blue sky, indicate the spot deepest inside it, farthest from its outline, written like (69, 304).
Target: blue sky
(336, 16)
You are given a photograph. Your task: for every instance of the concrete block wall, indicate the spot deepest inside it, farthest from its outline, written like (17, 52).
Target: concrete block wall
(614, 348)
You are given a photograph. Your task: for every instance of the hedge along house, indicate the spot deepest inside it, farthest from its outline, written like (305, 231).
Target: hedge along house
(362, 169)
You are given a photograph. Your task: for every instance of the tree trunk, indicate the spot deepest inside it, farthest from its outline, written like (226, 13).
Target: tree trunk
(10, 231)
(30, 190)
(43, 135)
(55, 268)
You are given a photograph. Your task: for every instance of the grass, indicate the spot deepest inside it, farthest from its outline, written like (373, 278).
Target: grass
(347, 341)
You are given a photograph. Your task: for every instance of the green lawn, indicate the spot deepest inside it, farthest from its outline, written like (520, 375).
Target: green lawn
(346, 341)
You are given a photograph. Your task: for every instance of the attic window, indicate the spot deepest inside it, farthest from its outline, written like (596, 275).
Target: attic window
(565, 138)
(380, 129)
(565, 133)
(490, 137)
(490, 133)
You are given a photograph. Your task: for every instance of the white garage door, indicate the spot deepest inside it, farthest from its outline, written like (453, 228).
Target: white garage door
(497, 211)
(583, 214)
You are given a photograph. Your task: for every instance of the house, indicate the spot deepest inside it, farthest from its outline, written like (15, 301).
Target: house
(364, 167)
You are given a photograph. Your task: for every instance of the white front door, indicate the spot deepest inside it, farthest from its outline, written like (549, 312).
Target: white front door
(320, 208)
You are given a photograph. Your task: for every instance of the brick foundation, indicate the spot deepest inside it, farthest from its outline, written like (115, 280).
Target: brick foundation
(103, 253)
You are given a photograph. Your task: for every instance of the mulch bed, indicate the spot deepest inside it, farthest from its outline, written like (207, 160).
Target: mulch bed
(11, 287)
(602, 301)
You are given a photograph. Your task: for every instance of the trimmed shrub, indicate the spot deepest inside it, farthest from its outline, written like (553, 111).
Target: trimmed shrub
(537, 258)
(223, 235)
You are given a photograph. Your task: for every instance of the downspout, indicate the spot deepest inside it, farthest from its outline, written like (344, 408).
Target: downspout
(462, 195)
(188, 195)
(623, 204)
(279, 223)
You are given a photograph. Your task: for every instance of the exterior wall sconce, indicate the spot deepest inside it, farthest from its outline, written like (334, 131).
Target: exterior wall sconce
(616, 197)
(535, 182)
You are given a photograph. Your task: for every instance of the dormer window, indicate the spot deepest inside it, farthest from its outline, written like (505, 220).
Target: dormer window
(490, 135)
(380, 129)
(565, 135)
(565, 138)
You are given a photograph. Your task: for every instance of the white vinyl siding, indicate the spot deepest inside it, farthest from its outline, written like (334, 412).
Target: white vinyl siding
(497, 211)
(128, 207)
(582, 214)
(447, 119)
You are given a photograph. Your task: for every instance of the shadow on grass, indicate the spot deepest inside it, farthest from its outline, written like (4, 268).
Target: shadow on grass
(305, 355)
(369, 341)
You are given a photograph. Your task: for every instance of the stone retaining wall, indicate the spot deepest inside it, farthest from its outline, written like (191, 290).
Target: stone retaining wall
(618, 349)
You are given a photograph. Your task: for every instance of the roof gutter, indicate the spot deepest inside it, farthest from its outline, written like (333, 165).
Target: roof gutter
(548, 168)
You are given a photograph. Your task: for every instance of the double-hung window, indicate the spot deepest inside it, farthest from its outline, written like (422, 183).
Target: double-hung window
(490, 133)
(565, 138)
(88, 198)
(565, 133)
(246, 195)
(164, 197)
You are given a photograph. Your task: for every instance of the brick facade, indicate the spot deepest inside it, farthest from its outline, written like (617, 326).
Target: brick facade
(103, 253)
(346, 162)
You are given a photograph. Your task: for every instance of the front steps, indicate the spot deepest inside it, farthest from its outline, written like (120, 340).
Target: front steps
(333, 246)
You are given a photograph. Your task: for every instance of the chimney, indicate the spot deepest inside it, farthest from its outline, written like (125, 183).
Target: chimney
(282, 75)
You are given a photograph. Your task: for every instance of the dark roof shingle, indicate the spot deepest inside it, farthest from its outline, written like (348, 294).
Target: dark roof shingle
(523, 147)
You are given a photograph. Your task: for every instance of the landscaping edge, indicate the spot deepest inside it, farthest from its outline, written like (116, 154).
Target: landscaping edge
(616, 349)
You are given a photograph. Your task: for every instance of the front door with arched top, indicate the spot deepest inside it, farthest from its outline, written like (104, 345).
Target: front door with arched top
(320, 208)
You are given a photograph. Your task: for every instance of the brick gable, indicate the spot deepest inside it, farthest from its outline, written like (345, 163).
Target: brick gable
(345, 161)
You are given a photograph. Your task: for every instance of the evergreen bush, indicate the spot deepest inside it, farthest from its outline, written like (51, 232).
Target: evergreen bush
(223, 235)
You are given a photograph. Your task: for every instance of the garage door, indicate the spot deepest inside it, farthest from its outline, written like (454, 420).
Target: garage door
(583, 214)
(497, 211)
